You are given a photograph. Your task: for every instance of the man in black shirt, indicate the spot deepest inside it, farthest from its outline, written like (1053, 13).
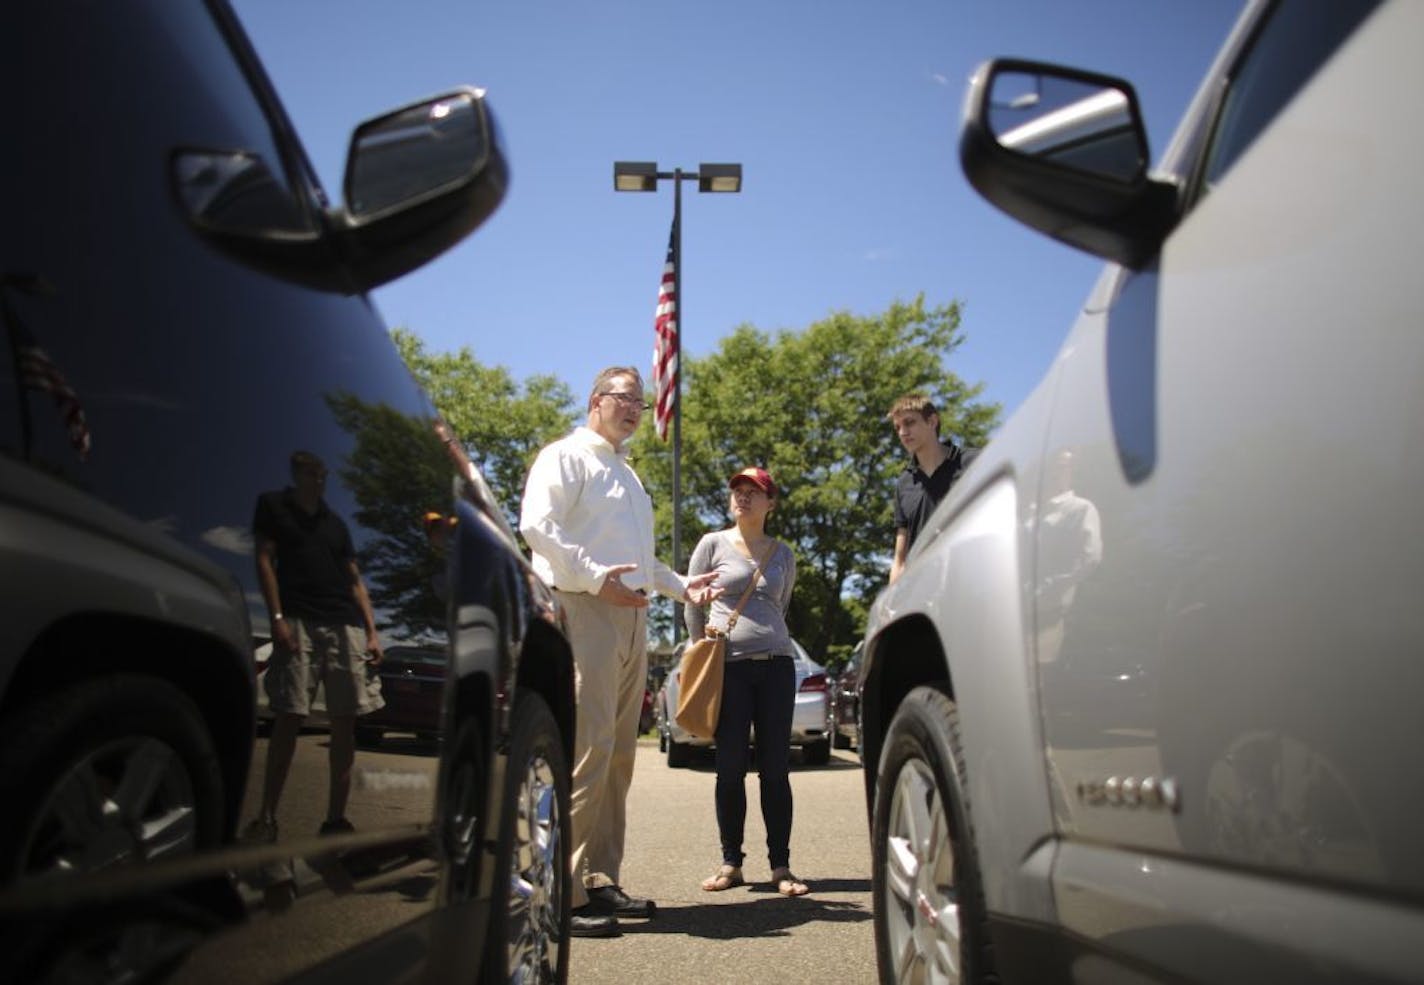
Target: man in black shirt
(932, 469)
(323, 632)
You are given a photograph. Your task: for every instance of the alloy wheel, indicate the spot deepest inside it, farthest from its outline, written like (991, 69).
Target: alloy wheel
(536, 878)
(127, 800)
(921, 897)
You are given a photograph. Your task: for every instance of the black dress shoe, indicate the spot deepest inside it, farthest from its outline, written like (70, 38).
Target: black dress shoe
(612, 899)
(586, 921)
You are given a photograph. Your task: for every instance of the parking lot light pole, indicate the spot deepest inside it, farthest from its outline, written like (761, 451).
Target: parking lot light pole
(643, 176)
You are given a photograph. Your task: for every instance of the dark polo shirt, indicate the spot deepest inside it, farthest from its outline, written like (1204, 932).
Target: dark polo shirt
(917, 494)
(314, 552)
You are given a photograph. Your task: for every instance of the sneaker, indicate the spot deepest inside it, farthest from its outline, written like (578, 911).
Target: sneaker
(260, 831)
(340, 826)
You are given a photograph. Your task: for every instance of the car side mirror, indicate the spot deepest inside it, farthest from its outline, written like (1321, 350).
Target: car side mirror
(1065, 152)
(418, 180)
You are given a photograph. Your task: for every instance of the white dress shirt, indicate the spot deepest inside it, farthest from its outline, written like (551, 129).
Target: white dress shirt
(585, 510)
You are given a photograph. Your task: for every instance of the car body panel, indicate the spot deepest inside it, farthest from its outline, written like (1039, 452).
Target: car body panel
(970, 640)
(1217, 592)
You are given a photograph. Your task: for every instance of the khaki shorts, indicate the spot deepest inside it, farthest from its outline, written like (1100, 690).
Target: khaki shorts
(327, 653)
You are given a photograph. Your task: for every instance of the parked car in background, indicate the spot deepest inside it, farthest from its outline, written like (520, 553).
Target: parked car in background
(846, 698)
(812, 720)
(1144, 705)
(411, 680)
(182, 309)
(646, 718)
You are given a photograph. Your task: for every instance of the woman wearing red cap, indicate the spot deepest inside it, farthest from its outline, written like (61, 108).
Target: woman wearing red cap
(759, 686)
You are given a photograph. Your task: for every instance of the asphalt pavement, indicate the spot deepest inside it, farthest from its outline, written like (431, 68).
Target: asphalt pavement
(750, 934)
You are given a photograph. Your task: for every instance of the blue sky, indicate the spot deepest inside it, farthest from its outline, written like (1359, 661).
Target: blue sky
(843, 113)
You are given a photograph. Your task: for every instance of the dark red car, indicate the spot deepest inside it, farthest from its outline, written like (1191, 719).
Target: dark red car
(847, 703)
(412, 682)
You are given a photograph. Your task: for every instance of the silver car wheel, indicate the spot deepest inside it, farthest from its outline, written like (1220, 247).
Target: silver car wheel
(921, 900)
(535, 878)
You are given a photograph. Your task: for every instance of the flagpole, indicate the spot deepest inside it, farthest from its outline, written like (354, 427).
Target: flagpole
(677, 396)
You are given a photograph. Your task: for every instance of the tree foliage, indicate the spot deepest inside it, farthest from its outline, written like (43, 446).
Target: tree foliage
(810, 407)
(397, 469)
(501, 423)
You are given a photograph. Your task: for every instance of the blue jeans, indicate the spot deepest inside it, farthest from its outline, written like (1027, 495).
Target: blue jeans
(760, 692)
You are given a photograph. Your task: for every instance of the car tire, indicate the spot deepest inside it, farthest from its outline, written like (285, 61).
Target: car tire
(462, 791)
(840, 740)
(529, 916)
(679, 754)
(930, 918)
(816, 753)
(135, 741)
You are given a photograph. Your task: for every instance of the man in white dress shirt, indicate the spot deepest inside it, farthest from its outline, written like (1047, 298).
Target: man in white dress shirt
(589, 523)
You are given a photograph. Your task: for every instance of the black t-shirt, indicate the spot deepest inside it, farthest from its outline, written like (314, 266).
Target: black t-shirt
(917, 494)
(314, 552)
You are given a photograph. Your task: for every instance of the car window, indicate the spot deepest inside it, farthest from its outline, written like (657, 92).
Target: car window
(1296, 39)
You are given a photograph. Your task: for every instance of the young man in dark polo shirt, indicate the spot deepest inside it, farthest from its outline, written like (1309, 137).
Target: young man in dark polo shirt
(932, 469)
(323, 632)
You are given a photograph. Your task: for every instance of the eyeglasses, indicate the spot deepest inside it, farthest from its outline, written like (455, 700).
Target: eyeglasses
(627, 399)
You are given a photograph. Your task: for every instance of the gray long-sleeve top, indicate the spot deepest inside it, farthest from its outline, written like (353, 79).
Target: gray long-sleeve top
(761, 628)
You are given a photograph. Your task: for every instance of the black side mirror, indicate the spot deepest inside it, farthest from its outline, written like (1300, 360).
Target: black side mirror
(418, 180)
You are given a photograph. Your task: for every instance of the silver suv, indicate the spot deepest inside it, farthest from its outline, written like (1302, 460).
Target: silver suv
(1145, 704)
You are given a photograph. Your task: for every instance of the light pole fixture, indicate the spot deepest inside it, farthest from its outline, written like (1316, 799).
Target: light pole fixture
(643, 176)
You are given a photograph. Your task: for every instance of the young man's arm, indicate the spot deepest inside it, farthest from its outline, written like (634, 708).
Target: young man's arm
(902, 547)
(282, 634)
(368, 615)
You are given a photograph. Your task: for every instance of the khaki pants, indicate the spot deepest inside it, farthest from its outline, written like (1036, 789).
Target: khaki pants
(610, 646)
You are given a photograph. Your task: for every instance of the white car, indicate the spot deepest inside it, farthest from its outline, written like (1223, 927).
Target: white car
(1145, 703)
(812, 721)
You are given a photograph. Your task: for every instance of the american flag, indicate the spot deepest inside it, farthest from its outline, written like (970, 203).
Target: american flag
(665, 349)
(39, 372)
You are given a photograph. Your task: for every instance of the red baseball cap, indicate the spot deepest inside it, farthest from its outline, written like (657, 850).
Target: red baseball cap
(760, 478)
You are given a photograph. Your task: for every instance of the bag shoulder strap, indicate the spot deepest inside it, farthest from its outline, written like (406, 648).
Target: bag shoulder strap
(770, 550)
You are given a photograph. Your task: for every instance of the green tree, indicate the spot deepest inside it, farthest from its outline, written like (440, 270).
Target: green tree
(810, 406)
(501, 423)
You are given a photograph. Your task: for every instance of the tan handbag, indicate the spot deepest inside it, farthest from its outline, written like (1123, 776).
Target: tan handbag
(699, 695)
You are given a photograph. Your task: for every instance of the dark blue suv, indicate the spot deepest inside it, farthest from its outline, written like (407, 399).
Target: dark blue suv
(182, 309)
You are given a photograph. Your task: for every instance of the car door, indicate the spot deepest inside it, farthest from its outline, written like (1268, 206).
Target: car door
(1228, 561)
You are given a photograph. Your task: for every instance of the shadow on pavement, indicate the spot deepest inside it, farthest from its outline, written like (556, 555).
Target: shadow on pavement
(754, 918)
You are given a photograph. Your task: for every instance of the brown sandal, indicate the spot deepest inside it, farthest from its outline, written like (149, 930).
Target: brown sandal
(787, 884)
(727, 877)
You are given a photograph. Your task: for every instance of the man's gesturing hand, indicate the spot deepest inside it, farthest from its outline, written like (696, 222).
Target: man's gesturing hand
(614, 592)
(700, 590)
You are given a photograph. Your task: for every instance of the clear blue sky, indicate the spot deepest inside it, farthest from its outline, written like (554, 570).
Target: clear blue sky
(843, 113)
